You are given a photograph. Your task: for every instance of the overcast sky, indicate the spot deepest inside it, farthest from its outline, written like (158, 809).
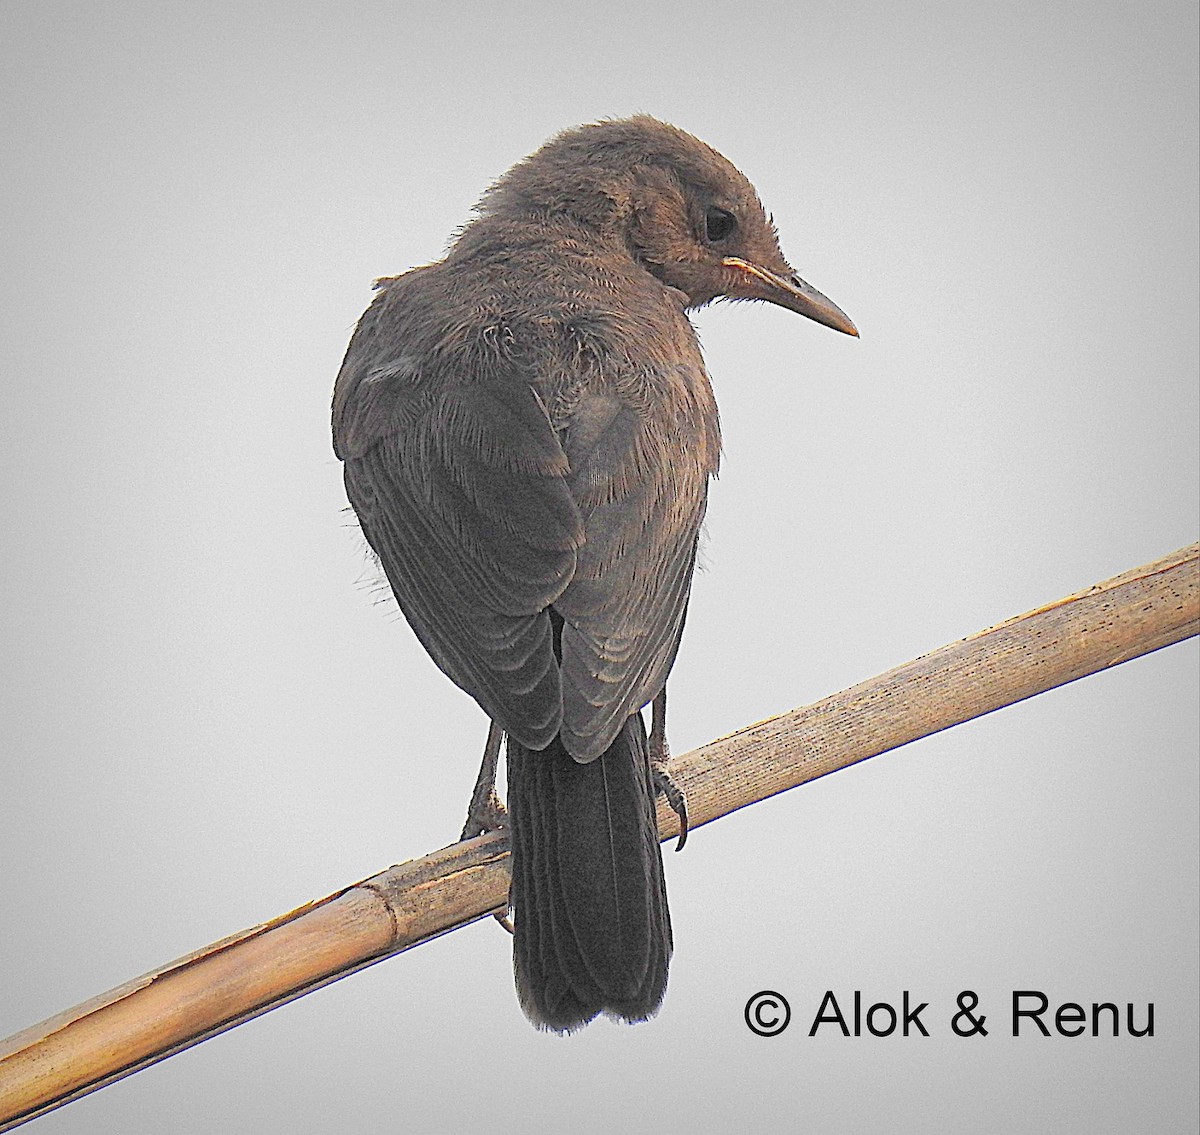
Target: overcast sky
(210, 717)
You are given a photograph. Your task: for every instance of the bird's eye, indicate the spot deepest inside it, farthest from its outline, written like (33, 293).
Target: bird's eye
(719, 224)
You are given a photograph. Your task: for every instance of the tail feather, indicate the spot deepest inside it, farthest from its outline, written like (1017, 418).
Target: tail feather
(593, 933)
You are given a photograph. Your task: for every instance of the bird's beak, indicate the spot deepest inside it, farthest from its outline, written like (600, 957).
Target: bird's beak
(791, 292)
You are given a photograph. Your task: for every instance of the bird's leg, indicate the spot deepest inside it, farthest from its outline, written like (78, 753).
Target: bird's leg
(486, 813)
(659, 756)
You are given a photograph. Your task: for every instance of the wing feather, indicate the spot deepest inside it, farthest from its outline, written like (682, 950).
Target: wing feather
(487, 518)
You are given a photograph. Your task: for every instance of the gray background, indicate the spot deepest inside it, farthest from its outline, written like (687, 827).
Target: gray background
(209, 719)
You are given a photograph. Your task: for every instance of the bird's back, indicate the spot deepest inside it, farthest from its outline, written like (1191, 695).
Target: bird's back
(528, 424)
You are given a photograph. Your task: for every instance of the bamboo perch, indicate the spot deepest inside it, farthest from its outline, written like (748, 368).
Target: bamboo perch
(247, 974)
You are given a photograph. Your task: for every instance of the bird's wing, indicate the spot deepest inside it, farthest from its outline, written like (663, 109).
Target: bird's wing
(459, 485)
(639, 475)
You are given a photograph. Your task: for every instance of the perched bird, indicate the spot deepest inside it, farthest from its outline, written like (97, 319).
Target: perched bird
(528, 433)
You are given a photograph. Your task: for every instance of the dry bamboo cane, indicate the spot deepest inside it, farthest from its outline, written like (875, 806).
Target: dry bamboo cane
(249, 973)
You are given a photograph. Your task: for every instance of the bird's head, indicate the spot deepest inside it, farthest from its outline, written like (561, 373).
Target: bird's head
(685, 212)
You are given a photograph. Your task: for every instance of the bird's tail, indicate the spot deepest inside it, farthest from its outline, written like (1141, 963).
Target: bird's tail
(593, 934)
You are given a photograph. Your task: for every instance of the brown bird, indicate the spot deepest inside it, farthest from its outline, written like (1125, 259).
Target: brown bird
(528, 433)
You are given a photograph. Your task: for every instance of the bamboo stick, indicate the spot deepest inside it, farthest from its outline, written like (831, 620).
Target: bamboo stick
(249, 973)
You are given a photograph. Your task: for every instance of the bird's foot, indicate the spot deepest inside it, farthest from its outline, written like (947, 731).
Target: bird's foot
(486, 814)
(674, 794)
(660, 755)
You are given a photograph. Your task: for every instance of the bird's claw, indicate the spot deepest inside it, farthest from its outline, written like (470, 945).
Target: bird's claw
(502, 918)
